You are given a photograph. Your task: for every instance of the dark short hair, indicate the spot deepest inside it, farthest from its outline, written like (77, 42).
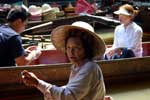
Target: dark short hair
(87, 45)
(17, 13)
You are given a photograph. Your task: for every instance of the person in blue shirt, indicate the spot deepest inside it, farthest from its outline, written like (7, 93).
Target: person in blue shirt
(11, 48)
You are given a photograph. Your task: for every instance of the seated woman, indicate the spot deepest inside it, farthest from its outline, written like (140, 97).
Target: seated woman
(86, 80)
(127, 36)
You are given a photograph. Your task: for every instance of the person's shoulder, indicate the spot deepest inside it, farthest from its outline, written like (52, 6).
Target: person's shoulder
(137, 27)
(91, 65)
(7, 31)
(118, 27)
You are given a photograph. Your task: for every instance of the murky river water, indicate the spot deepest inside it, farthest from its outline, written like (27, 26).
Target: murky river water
(127, 91)
(132, 91)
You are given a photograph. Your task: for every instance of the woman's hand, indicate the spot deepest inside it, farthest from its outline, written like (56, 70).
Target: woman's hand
(110, 52)
(118, 51)
(29, 78)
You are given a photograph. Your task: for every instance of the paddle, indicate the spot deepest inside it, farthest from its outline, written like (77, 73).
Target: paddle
(35, 29)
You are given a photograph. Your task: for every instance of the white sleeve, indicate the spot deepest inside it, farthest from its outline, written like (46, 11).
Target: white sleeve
(115, 43)
(76, 89)
(137, 39)
(44, 87)
(79, 86)
(72, 91)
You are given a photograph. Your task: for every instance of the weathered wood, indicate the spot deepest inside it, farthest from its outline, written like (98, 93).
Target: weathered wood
(38, 29)
(115, 70)
(121, 70)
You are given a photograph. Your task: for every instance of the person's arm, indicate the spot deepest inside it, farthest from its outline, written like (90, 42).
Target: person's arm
(21, 61)
(110, 51)
(115, 42)
(32, 53)
(78, 87)
(137, 39)
(23, 57)
(15, 48)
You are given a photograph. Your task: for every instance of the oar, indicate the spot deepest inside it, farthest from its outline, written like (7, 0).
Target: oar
(35, 29)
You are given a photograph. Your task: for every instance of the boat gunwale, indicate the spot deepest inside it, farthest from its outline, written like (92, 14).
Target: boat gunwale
(60, 65)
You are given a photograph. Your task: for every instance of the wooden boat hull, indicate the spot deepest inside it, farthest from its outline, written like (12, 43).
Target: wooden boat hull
(113, 71)
(121, 70)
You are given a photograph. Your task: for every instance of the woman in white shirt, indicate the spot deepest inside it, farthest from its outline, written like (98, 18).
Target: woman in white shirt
(86, 80)
(127, 36)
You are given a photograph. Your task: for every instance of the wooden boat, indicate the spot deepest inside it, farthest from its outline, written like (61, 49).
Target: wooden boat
(99, 22)
(53, 66)
(46, 27)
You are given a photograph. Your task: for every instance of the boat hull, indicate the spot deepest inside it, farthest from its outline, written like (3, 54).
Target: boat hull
(53, 68)
(113, 71)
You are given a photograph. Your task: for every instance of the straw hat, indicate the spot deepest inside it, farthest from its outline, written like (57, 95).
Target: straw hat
(125, 10)
(34, 10)
(59, 35)
(84, 25)
(50, 15)
(48, 12)
(69, 8)
(46, 7)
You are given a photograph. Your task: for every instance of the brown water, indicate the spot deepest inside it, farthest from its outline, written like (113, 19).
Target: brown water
(132, 91)
(127, 91)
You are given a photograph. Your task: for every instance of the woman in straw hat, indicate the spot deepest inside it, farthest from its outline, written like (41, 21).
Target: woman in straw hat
(86, 80)
(127, 36)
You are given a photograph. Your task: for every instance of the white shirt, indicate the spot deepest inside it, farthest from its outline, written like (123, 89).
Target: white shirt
(85, 83)
(129, 37)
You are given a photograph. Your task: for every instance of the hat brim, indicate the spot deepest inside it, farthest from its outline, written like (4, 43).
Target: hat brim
(36, 13)
(59, 35)
(47, 10)
(119, 12)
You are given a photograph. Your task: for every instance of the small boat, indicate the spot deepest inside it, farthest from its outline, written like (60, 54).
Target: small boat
(54, 67)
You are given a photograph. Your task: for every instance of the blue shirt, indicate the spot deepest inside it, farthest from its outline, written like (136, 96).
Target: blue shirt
(10, 46)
